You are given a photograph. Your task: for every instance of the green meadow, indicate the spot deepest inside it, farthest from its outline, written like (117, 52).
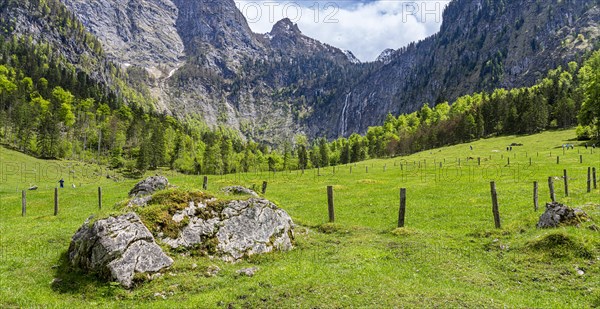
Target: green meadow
(449, 254)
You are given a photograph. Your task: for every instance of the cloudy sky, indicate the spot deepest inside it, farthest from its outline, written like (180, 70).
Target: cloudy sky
(365, 27)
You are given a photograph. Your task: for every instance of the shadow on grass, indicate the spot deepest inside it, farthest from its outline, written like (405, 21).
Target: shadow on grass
(71, 281)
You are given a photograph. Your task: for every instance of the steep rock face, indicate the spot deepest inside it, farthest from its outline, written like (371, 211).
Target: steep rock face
(481, 45)
(140, 32)
(258, 84)
(281, 83)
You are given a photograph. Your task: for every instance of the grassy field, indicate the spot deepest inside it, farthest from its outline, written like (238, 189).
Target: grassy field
(448, 255)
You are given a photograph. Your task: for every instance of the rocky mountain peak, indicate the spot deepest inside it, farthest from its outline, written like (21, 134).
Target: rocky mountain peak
(285, 27)
(386, 56)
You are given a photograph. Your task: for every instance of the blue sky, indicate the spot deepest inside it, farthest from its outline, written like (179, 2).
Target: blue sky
(365, 27)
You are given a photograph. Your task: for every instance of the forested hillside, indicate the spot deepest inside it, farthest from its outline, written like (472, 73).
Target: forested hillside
(52, 122)
(77, 104)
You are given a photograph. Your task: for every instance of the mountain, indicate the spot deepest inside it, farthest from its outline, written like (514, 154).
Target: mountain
(206, 62)
(482, 45)
(200, 59)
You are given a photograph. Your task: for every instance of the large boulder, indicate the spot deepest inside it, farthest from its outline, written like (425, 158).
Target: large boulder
(557, 214)
(149, 186)
(117, 248)
(233, 230)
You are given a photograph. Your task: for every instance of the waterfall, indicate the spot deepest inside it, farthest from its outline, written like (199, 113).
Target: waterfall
(344, 125)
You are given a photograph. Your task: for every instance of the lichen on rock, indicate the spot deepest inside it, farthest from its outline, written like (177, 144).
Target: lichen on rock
(117, 248)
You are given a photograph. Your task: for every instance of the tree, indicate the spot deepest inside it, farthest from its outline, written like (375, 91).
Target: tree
(323, 153)
(143, 160)
(302, 157)
(589, 75)
(345, 152)
(212, 159)
(157, 151)
(226, 153)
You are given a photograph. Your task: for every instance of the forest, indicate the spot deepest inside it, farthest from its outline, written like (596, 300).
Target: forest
(42, 118)
(50, 109)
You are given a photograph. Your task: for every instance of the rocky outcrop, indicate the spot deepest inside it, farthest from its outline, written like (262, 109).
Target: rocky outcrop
(557, 214)
(117, 248)
(233, 230)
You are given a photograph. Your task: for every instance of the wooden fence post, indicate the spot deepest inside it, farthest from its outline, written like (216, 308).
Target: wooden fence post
(589, 180)
(508, 162)
(23, 203)
(402, 211)
(594, 177)
(330, 204)
(535, 196)
(56, 201)
(557, 159)
(529, 161)
(205, 183)
(580, 158)
(99, 197)
(495, 210)
(478, 161)
(367, 169)
(264, 187)
(566, 182)
(551, 187)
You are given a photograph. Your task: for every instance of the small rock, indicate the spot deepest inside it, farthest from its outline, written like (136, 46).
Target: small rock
(557, 214)
(149, 186)
(239, 190)
(248, 272)
(140, 201)
(212, 271)
(56, 280)
(580, 271)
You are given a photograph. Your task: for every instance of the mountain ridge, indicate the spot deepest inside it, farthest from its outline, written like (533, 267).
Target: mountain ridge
(273, 86)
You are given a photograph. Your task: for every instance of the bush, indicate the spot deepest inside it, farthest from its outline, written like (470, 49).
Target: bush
(584, 133)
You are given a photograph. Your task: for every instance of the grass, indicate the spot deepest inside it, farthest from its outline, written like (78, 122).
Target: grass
(448, 255)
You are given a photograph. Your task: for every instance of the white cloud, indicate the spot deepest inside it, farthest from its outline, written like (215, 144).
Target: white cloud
(365, 28)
